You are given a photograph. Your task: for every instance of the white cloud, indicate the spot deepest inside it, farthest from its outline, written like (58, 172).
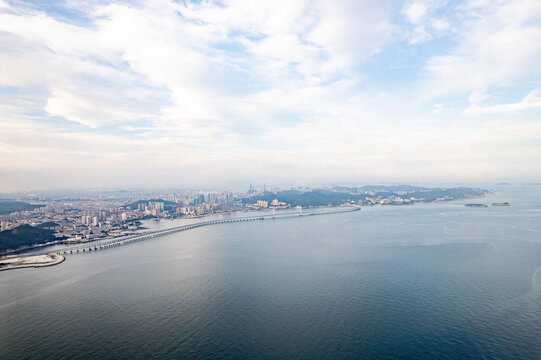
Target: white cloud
(91, 108)
(425, 25)
(478, 95)
(268, 89)
(416, 11)
(531, 101)
(439, 25)
(497, 46)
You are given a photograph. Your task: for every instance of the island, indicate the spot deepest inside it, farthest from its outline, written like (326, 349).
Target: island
(501, 204)
(476, 205)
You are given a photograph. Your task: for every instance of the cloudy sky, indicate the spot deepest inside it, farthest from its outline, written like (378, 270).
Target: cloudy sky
(165, 93)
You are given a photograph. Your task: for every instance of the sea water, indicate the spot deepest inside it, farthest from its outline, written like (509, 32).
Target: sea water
(428, 281)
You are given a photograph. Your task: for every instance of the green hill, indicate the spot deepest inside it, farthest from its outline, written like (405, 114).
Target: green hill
(317, 197)
(7, 207)
(322, 197)
(47, 225)
(24, 235)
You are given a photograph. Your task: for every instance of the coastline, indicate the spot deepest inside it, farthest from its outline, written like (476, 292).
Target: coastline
(29, 262)
(236, 211)
(148, 235)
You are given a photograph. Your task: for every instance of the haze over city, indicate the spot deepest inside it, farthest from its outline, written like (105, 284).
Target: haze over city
(166, 93)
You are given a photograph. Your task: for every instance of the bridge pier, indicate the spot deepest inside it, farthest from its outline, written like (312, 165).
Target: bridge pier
(151, 235)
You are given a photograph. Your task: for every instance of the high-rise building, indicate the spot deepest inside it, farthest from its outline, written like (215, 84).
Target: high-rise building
(252, 189)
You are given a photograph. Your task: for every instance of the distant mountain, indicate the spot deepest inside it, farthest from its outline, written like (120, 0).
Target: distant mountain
(393, 188)
(7, 207)
(323, 197)
(452, 193)
(316, 197)
(379, 188)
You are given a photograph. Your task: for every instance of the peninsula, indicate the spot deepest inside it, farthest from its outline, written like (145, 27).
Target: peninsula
(19, 262)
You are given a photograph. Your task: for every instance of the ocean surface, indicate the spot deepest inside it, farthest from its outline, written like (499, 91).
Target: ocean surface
(430, 281)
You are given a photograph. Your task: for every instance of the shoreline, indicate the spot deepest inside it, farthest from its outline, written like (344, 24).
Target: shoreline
(58, 259)
(149, 235)
(27, 249)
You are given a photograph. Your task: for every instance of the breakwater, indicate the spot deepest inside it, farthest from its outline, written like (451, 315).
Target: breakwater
(36, 261)
(107, 244)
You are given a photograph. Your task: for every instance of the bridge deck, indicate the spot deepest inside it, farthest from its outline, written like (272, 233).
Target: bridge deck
(106, 244)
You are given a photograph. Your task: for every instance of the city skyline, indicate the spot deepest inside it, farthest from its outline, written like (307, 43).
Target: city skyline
(165, 93)
(63, 217)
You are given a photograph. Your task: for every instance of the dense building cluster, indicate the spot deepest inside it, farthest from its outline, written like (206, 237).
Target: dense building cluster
(75, 218)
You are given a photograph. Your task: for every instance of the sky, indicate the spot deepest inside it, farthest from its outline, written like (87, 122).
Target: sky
(179, 93)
